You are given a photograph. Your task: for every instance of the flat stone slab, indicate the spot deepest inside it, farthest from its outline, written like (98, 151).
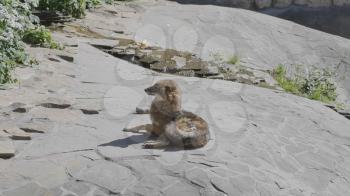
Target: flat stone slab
(112, 176)
(7, 149)
(33, 125)
(34, 128)
(17, 133)
(31, 188)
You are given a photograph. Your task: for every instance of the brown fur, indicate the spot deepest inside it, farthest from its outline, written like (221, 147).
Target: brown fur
(166, 113)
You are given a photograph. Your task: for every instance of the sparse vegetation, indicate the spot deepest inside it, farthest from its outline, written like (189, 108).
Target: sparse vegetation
(216, 57)
(289, 85)
(234, 60)
(314, 84)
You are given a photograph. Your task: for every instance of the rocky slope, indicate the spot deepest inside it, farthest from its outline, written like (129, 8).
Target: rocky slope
(259, 41)
(330, 16)
(334, 20)
(63, 125)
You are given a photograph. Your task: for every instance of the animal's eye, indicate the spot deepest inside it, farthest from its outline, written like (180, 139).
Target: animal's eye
(168, 88)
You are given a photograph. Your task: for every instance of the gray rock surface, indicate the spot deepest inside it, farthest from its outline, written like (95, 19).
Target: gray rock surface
(260, 4)
(31, 188)
(6, 148)
(329, 16)
(333, 20)
(263, 141)
(17, 134)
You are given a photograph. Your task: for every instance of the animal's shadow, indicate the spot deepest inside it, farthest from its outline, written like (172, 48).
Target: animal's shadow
(126, 142)
(138, 139)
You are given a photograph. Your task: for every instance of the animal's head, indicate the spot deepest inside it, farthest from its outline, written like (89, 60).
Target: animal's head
(166, 89)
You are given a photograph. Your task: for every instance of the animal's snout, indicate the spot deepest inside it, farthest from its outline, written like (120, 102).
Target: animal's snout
(150, 91)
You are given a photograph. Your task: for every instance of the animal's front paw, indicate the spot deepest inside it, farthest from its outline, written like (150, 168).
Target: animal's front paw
(155, 144)
(141, 111)
(127, 130)
(132, 130)
(150, 144)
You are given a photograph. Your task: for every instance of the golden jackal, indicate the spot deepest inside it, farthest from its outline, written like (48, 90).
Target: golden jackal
(170, 123)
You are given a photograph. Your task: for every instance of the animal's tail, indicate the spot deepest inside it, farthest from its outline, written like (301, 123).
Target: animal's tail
(194, 133)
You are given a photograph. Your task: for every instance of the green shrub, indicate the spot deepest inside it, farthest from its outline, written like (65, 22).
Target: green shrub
(40, 36)
(15, 19)
(5, 72)
(75, 8)
(315, 84)
(92, 3)
(319, 86)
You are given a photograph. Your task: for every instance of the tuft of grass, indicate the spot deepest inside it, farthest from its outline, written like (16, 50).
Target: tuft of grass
(234, 60)
(279, 74)
(317, 84)
(40, 36)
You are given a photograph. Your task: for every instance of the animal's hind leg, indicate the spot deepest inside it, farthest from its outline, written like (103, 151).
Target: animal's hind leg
(142, 111)
(137, 129)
